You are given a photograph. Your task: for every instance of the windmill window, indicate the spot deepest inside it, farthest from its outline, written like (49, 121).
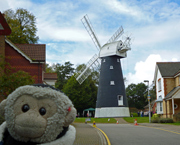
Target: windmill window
(117, 60)
(104, 60)
(112, 83)
(120, 100)
(111, 67)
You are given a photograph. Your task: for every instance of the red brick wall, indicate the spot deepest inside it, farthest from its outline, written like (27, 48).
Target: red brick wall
(21, 63)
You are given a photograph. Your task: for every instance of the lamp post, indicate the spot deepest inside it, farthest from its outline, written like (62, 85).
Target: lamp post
(148, 101)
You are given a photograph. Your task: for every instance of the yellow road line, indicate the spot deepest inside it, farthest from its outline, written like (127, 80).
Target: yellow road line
(108, 141)
(161, 129)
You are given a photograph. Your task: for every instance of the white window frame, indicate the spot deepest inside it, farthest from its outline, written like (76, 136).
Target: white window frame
(159, 107)
(112, 83)
(111, 67)
(120, 100)
(159, 85)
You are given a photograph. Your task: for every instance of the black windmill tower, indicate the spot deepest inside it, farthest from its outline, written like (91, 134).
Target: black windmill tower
(111, 97)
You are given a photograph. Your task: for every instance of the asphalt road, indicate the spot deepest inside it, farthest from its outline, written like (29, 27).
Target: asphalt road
(128, 134)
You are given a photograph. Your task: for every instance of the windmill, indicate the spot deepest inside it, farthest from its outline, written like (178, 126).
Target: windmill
(111, 97)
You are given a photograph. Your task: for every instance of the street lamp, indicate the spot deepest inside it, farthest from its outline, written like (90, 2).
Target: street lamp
(148, 101)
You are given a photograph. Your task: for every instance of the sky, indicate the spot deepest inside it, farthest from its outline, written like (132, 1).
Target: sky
(154, 26)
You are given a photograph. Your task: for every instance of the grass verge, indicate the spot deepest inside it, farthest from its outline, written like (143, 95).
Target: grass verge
(139, 119)
(97, 120)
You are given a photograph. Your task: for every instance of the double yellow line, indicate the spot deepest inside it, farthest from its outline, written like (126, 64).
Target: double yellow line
(108, 141)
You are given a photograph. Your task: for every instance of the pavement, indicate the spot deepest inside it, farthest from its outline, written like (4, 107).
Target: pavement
(86, 134)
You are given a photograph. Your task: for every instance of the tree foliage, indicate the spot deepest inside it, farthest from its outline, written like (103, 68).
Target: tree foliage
(83, 96)
(137, 95)
(64, 72)
(49, 68)
(10, 79)
(22, 24)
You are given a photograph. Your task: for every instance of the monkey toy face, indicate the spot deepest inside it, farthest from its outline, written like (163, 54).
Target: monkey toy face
(37, 114)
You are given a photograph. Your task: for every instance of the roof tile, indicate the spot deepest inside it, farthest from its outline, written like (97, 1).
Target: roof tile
(35, 51)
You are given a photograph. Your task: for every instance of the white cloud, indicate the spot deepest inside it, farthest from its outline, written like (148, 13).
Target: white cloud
(144, 70)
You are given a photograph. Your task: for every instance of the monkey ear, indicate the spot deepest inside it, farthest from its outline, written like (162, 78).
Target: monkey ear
(70, 116)
(2, 108)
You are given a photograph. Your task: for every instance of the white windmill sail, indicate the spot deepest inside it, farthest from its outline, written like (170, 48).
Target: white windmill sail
(87, 24)
(87, 69)
(116, 35)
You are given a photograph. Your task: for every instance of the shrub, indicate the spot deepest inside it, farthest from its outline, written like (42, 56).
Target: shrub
(156, 115)
(134, 114)
(162, 120)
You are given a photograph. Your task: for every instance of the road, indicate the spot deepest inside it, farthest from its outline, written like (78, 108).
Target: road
(128, 134)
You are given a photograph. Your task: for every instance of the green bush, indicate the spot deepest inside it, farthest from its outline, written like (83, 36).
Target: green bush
(162, 120)
(156, 115)
(134, 114)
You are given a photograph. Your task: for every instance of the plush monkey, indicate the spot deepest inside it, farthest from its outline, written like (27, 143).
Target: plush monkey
(37, 115)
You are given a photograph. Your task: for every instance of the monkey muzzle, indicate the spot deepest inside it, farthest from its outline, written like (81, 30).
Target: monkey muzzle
(30, 127)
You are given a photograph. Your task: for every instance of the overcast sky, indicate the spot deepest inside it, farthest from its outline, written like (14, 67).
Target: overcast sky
(154, 25)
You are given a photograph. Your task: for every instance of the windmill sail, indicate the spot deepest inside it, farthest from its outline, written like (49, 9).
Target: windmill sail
(87, 69)
(116, 35)
(86, 22)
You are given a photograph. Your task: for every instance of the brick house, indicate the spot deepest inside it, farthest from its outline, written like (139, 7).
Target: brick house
(27, 57)
(50, 78)
(167, 81)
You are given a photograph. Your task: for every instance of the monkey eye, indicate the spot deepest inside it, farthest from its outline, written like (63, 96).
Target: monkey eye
(25, 108)
(42, 111)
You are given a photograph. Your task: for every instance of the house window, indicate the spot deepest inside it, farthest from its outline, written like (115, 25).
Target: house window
(117, 60)
(111, 67)
(179, 80)
(112, 83)
(175, 106)
(120, 100)
(104, 60)
(159, 85)
(160, 105)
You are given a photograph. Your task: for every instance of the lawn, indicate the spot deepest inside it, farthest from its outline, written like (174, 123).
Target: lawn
(139, 119)
(97, 120)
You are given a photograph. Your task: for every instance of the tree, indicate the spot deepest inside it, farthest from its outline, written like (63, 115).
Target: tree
(22, 24)
(50, 69)
(137, 95)
(10, 79)
(64, 72)
(83, 96)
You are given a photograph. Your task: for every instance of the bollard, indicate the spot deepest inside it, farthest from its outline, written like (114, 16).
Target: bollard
(94, 124)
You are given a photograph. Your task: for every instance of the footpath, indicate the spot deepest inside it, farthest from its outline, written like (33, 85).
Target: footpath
(86, 134)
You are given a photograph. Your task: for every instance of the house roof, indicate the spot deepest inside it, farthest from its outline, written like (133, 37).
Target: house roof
(168, 69)
(50, 76)
(35, 51)
(172, 92)
(4, 27)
